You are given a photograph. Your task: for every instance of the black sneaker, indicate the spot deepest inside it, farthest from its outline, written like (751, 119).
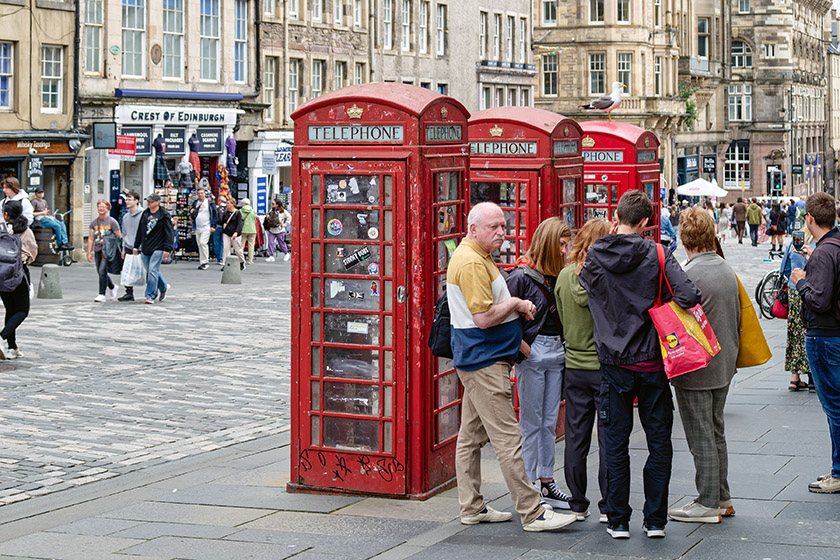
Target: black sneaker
(204, 266)
(551, 495)
(126, 297)
(654, 531)
(618, 530)
(242, 266)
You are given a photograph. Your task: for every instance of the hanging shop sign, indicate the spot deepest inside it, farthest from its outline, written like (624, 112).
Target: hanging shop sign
(34, 171)
(126, 149)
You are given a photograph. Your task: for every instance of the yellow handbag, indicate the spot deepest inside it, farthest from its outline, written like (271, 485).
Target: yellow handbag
(752, 346)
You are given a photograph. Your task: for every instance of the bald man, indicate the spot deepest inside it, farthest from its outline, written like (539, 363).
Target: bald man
(486, 335)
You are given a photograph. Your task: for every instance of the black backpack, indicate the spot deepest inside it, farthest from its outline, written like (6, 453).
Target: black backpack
(11, 266)
(440, 339)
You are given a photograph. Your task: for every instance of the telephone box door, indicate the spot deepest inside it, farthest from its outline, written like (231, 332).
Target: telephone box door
(353, 409)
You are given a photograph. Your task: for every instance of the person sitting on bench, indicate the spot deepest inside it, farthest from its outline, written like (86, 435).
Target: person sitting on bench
(43, 218)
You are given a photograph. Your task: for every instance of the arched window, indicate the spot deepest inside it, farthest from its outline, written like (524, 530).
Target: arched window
(741, 55)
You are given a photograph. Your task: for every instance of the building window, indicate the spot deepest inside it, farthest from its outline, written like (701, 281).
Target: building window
(357, 13)
(340, 75)
(441, 30)
(269, 8)
(525, 96)
(52, 82)
(240, 41)
(173, 39)
(442, 89)
(736, 171)
(486, 97)
(338, 12)
(740, 103)
(359, 75)
(318, 78)
(93, 36)
(549, 12)
(482, 35)
(511, 102)
(549, 67)
(657, 75)
(596, 10)
(769, 50)
(388, 23)
(625, 67)
(209, 39)
(511, 21)
(424, 27)
(317, 10)
(269, 87)
(133, 37)
(7, 75)
(294, 8)
(703, 37)
(406, 25)
(741, 55)
(743, 6)
(294, 84)
(522, 36)
(623, 11)
(497, 39)
(426, 85)
(657, 13)
(597, 73)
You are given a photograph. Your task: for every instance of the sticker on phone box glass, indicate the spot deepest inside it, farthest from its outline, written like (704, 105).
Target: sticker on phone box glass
(356, 258)
(334, 227)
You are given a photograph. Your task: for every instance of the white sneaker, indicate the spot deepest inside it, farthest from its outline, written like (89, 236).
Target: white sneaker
(286, 257)
(550, 521)
(488, 515)
(99, 299)
(112, 293)
(14, 354)
(4, 349)
(269, 259)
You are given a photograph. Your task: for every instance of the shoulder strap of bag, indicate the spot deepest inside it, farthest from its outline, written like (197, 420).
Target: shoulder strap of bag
(230, 218)
(541, 283)
(660, 253)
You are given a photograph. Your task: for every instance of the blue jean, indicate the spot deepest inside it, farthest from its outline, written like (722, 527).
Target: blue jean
(216, 244)
(58, 227)
(619, 388)
(539, 385)
(154, 279)
(824, 358)
(754, 233)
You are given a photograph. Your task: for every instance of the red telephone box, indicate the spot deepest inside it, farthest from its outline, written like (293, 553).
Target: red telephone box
(619, 157)
(379, 184)
(528, 161)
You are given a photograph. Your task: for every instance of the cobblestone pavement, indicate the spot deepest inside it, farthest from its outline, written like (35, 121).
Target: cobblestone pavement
(106, 389)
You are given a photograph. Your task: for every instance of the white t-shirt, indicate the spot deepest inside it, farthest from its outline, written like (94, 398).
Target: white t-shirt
(202, 219)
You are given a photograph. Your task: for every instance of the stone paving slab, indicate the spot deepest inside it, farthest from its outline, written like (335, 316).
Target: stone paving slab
(66, 546)
(734, 550)
(187, 513)
(259, 497)
(205, 549)
(148, 531)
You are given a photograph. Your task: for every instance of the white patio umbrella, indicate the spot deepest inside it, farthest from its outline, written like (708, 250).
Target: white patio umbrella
(701, 187)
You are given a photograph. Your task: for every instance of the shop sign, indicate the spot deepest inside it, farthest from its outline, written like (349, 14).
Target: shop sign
(34, 171)
(43, 147)
(143, 135)
(126, 148)
(504, 148)
(175, 139)
(603, 156)
(209, 140)
(262, 195)
(283, 155)
(710, 164)
(691, 163)
(796, 168)
(565, 148)
(444, 133)
(141, 114)
(269, 165)
(356, 133)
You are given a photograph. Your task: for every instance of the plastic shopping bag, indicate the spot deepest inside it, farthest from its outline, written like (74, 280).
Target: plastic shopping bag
(133, 271)
(685, 338)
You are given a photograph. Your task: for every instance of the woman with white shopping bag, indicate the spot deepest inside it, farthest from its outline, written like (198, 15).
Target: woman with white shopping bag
(130, 221)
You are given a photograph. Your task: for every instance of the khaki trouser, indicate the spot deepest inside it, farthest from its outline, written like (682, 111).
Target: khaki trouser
(202, 238)
(227, 242)
(250, 239)
(487, 415)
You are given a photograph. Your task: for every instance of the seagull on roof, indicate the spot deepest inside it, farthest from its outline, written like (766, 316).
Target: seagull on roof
(607, 103)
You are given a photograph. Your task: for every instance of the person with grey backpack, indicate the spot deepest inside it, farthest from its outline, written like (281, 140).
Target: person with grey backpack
(17, 250)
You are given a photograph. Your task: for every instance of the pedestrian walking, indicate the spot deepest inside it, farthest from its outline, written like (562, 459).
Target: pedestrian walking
(582, 383)
(203, 214)
(130, 223)
(724, 221)
(621, 276)
(155, 239)
(791, 216)
(249, 229)
(754, 218)
(701, 395)
(11, 188)
(486, 338)
(216, 232)
(16, 280)
(776, 226)
(542, 359)
(103, 241)
(819, 287)
(796, 361)
(275, 223)
(739, 215)
(41, 212)
(232, 229)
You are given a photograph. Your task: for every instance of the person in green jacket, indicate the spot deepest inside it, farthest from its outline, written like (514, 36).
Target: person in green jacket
(249, 228)
(754, 218)
(582, 387)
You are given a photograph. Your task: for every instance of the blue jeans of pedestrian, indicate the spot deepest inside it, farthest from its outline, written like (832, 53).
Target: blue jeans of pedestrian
(824, 358)
(754, 233)
(216, 244)
(58, 227)
(154, 279)
(619, 388)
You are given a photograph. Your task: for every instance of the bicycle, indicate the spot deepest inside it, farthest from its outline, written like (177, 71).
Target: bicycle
(64, 256)
(766, 290)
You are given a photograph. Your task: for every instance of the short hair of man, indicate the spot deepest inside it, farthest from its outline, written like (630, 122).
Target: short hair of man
(821, 207)
(740, 199)
(135, 195)
(697, 230)
(633, 207)
(478, 212)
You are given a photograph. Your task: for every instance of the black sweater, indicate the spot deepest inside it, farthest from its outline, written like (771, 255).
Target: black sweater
(234, 223)
(155, 232)
(820, 289)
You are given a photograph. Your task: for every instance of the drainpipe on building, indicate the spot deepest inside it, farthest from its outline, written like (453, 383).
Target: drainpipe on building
(258, 57)
(76, 68)
(371, 27)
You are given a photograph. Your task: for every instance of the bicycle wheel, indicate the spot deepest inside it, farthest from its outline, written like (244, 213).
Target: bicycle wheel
(769, 289)
(761, 283)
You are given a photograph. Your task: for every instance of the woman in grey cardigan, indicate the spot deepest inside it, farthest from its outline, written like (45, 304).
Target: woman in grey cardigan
(701, 394)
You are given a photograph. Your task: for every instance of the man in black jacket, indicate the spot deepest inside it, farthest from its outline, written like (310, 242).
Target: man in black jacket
(622, 277)
(819, 287)
(155, 238)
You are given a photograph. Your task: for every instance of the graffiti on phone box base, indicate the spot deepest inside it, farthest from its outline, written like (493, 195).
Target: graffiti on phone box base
(385, 467)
